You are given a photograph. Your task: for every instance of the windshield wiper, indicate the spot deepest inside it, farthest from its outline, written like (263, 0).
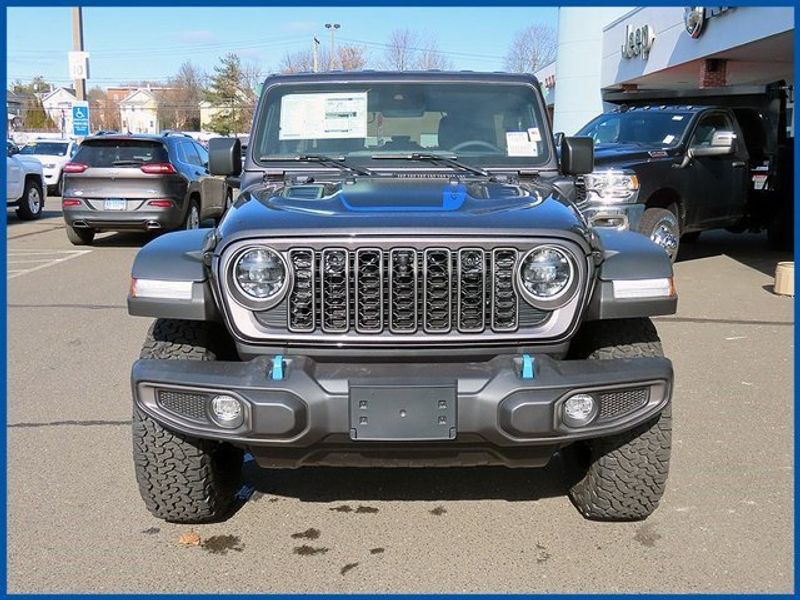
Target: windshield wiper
(123, 163)
(321, 159)
(450, 161)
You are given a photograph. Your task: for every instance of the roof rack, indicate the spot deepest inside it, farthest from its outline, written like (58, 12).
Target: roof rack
(168, 132)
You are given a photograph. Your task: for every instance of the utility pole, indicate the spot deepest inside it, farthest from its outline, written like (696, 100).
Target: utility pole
(332, 27)
(77, 45)
(315, 53)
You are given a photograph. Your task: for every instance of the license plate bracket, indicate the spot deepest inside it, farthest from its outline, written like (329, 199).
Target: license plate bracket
(399, 412)
(115, 204)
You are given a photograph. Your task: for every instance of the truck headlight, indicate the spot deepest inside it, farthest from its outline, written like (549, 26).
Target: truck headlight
(547, 277)
(611, 186)
(260, 274)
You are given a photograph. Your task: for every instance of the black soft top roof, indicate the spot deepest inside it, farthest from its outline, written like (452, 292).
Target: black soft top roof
(410, 76)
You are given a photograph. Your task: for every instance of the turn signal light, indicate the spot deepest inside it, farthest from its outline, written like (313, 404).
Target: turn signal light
(70, 202)
(158, 169)
(160, 203)
(72, 167)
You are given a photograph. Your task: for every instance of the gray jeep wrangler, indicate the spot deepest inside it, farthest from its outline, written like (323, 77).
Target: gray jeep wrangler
(403, 280)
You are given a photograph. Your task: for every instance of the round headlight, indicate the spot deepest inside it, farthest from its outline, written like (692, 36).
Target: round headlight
(546, 274)
(260, 273)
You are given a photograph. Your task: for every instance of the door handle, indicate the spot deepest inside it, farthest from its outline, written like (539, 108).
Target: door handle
(737, 163)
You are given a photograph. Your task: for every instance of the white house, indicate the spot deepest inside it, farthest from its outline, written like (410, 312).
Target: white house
(138, 112)
(58, 106)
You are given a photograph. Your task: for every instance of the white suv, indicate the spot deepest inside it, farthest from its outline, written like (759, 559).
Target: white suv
(24, 184)
(53, 154)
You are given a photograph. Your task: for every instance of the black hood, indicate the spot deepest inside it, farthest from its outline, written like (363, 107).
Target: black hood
(616, 153)
(397, 205)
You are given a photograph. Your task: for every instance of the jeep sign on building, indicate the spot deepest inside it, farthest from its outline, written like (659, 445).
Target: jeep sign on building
(664, 48)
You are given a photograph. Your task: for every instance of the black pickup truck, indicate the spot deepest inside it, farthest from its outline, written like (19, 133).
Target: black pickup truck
(673, 171)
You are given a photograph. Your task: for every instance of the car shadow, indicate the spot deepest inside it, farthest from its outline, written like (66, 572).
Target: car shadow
(13, 219)
(750, 249)
(123, 239)
(336, 484)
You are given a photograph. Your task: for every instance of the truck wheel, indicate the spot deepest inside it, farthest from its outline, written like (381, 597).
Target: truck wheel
(663, 227)
(80, 237)
(192, 216)
(31, 204)
(620, 477)
(181, 478)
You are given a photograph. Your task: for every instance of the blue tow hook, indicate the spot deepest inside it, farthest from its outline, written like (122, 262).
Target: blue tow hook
(277, 367)
(527, 367)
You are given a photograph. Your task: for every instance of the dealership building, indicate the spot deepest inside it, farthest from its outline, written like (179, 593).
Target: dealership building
(607, 56)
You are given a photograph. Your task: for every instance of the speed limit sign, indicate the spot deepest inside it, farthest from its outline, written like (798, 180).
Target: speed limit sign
(78, 65)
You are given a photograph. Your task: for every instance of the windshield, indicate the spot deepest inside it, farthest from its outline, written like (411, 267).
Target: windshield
(481, 124)
(49, 148)
(638, 127)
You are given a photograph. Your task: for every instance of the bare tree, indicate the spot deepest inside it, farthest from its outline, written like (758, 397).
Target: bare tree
(430, 57)
(351, 58)
(407, 49)
(181, 102)
(532, 48)
(299, 62)
(399, 55)
(348, 58)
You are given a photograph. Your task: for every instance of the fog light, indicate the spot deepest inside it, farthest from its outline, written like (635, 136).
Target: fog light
(227, 410)
(578, 410)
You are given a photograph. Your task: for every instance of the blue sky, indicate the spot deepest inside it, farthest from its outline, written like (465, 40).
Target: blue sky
(128, 44)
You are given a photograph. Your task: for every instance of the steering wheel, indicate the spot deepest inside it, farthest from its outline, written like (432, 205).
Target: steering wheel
(480, 143)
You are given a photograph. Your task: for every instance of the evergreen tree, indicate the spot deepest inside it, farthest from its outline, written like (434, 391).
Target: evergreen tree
(35, 117)
(229, 93)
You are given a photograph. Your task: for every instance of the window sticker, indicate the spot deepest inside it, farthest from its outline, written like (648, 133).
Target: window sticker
(677, 118)
(323, 116)
(518, 143)
(534, 135)
(668, 139)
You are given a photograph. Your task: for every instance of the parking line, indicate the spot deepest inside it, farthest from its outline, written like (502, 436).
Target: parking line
(60, 256)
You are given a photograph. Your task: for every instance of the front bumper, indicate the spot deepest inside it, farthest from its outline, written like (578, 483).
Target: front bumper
(293, 420)
(614, 216)
(138, 217)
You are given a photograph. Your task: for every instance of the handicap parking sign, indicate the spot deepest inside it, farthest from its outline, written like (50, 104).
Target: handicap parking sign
(80, 119)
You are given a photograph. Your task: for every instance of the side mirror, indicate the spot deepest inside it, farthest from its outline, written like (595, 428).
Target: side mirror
(577, 155)
(722, 143)
(12, 150)
(557, 138)
(224, 156)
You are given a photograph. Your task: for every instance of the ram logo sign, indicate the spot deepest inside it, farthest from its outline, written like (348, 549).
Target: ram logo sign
(638, 41)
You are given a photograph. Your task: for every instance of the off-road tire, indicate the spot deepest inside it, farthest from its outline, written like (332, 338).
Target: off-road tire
(181, 478)
(24, 211)
(620, 477)
(651, 219)
(80, 237)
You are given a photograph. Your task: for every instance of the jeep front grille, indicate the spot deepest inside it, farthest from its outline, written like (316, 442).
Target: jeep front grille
(405, 291)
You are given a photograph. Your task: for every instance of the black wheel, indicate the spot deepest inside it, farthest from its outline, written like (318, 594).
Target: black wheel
(690, 238)
(663, 226)
(31, 204)
(620, 477)
(181, 478)
(192, 215)
(81, 236)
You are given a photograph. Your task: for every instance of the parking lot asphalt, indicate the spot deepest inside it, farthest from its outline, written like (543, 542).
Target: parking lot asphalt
(76, 522)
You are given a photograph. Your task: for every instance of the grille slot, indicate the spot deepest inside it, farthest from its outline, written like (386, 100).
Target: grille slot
(302, 312)
(403, 290)
(505, 302)
(190, 405)
(471, 290)
(335, 279)
(619, 402)
(369, 290)
(438, 291)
